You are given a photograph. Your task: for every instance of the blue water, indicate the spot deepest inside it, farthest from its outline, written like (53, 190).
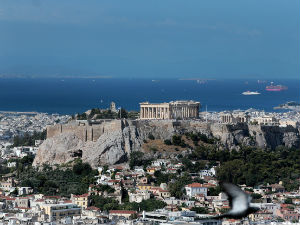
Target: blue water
(70, 96)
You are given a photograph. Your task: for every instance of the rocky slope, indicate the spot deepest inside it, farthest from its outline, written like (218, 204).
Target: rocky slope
(116, 142)
(112, 147)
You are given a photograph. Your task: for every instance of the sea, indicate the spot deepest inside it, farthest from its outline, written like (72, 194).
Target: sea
(76, 95)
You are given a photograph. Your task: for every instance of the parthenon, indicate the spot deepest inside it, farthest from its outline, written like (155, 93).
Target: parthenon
(171, 110)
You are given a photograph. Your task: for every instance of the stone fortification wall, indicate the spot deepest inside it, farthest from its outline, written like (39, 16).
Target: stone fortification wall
(83, 130)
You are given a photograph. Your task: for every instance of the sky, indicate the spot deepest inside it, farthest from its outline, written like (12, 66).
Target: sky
(150, 39)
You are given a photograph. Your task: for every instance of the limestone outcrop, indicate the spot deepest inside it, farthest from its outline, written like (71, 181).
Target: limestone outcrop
(113, 146)
(111, 141)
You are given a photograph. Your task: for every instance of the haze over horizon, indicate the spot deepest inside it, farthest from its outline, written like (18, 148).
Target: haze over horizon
(151, 39)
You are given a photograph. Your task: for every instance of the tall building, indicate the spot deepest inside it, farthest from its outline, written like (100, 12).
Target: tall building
(171, 110)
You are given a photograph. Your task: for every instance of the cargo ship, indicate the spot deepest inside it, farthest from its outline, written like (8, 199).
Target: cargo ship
(276, 87)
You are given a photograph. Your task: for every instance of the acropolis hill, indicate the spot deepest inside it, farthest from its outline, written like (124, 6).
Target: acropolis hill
(111, 141)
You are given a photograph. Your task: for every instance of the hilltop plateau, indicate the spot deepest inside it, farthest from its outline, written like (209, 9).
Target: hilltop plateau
(111, 141)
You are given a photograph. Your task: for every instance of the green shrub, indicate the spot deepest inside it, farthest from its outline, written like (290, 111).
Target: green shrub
(151, 137)
(167, 142)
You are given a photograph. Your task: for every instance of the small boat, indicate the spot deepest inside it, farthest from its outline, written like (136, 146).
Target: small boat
(251, 93)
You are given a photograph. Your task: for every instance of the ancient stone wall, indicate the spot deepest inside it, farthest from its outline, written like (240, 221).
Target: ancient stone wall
(54, 130)
(85, 131)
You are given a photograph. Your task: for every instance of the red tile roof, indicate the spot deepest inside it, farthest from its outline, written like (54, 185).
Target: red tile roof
(8, 198)
(67, 201)
(23, 197)
(22, 207)
(92, 208)
(195, 185)
(80, 196)
(57, 197)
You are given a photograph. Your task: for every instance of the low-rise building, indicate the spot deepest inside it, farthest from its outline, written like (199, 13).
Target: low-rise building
(24, 190)
(11, 164)
(195, 188)
(58, 211)
(266, 120)
(81, 200)
(8, 184)
(22, 202)
(122, 214)
(144, 186)
(261, 215)
(278, 188)
(139, 196)
(288, 214)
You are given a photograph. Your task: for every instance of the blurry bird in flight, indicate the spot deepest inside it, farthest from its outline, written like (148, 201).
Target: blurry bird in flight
(239, 201)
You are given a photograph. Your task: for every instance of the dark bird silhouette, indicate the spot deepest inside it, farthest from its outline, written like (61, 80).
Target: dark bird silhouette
(239, 201)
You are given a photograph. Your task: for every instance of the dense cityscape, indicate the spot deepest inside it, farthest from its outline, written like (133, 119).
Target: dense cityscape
(176, 185)
(138, 112)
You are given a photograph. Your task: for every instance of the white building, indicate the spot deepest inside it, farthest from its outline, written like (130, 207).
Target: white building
(161, 162)
(139, 196)
(288, 122)
(11, 164)
(195, 188)
(58, 211)
(209, 173)
(266, 120)
(24, 190)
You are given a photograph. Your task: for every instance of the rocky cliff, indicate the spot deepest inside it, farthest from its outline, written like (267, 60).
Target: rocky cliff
(110, 142)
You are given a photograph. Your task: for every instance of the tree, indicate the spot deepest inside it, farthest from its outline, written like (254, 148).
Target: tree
(288, 201)
(167, 142)
(176, 140)
(124, 113)
(151, 137)
(82, 168)
(28, 139)
(103, 188)
(214, 191)
(200, 210)
(137, 159)
(57, 181)
(177, 187)
(82, 116)
(256, 196)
